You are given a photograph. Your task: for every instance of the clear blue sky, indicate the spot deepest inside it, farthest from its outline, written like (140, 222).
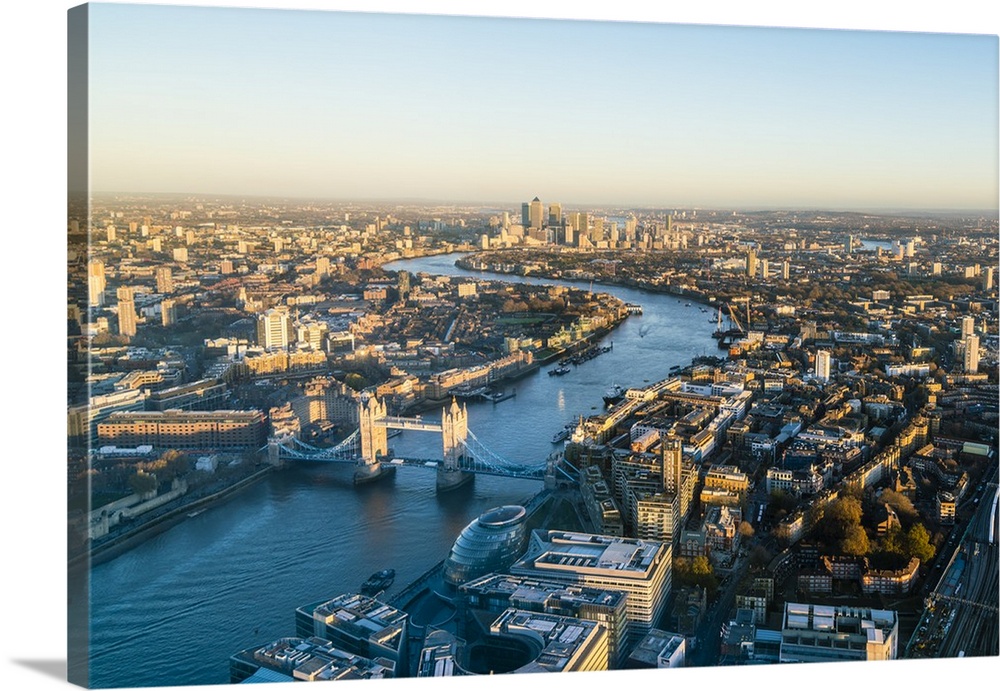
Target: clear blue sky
(299, 103)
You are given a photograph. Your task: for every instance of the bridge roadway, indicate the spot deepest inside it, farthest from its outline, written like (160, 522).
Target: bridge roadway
(408, 423)
(961, 613)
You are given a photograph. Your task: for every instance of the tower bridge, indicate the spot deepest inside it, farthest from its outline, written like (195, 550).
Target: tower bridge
(463, 455)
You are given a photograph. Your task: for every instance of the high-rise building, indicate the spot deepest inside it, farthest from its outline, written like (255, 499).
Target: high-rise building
(536, 214)
(987, 275)
(168, 312)
(112, 233)
(641, 568)
(526, 214)
(786, 270)
(226, 267)
(823, 365)
(322, 266)
(968, 326)
(180, 254)
(164, 280)
(751, 262)
(126, 312)
(555, 214)
(96, 283)
(582, 223)
(274, 329)
(763, 268)
(971, 357)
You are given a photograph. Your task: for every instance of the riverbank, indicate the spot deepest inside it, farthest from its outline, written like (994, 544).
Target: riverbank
(680, 292)
(121, 543)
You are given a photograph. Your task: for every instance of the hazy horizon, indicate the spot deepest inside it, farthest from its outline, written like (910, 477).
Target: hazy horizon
(338, 105)
(515, 204)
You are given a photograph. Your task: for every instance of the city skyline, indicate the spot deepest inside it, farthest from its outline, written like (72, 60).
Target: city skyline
(471, 109)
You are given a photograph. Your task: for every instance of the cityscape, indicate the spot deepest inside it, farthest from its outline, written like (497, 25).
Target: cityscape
(826, 471)
(399, 430)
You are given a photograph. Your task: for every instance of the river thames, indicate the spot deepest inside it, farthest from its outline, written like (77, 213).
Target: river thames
(173, 609)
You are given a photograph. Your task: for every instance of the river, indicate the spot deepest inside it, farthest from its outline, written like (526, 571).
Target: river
(173, 609)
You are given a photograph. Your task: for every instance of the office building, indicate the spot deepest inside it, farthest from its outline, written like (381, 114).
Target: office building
(821, 633)
(658, 650)
(492, 542)
(126, 312)
(555, 214)
(546, 643)
(358, 624)
(641, 568)
(301, 659)
(274, 329)
(495, 593)
(536, 211)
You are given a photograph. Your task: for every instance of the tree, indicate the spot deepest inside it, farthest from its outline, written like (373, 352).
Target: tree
(917, 543)
(745, 530)
(855, 541)
(142, 483)
(355, 381)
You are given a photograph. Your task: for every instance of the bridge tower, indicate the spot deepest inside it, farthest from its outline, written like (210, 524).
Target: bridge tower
(374, 440)
(454, 431)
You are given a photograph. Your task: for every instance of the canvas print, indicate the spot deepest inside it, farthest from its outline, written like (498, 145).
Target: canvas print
(423, 346)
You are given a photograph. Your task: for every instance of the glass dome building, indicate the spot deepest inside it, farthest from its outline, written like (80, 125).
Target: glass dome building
(490, 543)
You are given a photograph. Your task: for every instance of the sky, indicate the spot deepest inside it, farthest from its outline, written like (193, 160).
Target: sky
(383, 106)
(33, 49)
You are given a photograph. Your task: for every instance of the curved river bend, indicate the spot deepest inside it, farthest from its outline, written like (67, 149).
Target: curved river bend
(173, 609)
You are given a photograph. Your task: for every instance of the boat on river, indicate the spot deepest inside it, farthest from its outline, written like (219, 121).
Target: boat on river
(614, 394)
(378, 581)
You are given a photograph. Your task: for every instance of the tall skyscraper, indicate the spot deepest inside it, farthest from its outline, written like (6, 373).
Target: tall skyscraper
(526, 214)
(786, 270)
(763, 268)
(987, 275)
(164, 280)
(971, 358)
(274, 329)
(555, 214)
(126, 312)
(751, 262)
(536, 214)
(823, 365)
